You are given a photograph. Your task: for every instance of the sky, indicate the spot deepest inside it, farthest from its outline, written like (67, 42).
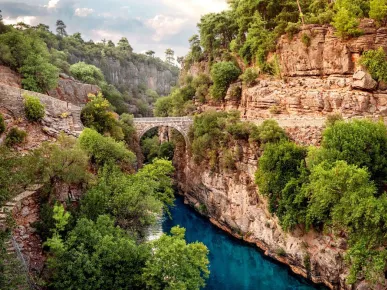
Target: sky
(148, 24)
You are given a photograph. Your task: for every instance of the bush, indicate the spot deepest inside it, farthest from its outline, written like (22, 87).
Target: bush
(375, 61)
(15, 137)
(268, 132)
(333, 118)
(346, 23)
(98, 114)
(306, 40)
(87, 73)
(105, 149)
(33, 108)
(249, 77)
(2, 124)
(292, 29)
(223, 74)
(378, 10)
(362, 143)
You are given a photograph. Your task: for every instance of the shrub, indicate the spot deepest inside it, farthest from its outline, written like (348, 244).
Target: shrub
(235, 93)
(98, 114)
(375, 61)
(362, 143)
(87, 73)
(333, 118)
(268, 132)
(274, 110)
(346, 23)
(15, 137)
(292, 29)
(306, 40)
(281, 252)
(34, 109)
(223, 74)
(249, 77)
(105, 149)
(2, 124)
(378, 10)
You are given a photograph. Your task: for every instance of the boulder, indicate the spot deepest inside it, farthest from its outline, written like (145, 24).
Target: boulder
(364, 81)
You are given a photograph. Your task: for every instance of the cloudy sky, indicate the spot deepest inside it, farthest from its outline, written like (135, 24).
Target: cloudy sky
(148, 24)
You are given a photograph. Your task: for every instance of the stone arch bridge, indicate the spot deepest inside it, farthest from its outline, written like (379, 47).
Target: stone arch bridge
(181, 124)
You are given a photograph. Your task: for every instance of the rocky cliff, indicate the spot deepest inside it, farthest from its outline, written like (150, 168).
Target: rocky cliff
(230, 200)
(317, 79)
(138, 72)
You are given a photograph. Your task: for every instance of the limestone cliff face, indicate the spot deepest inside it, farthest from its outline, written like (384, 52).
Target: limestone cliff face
(316, 80)
(231, 201)
(129, 75)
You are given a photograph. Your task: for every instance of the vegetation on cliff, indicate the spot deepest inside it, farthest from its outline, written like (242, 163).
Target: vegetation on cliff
(95, 211)
(39, 56)
(337, 188)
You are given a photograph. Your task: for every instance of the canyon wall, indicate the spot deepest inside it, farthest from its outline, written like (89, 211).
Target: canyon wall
(138, 72)
(316, 80)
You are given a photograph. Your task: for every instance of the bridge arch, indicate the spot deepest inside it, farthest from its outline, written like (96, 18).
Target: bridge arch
(181, 124)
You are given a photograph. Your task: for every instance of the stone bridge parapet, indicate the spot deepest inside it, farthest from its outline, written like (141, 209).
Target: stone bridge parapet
(181, 124)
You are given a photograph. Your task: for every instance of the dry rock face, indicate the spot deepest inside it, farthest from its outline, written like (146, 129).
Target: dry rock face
(327, 54)
(72, 91)
(129, 75)
(9, 78)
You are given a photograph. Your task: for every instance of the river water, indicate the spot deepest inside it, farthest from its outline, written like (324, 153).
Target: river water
(234, 265)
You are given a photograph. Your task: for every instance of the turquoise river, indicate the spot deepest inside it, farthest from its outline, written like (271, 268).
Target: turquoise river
(234, 265)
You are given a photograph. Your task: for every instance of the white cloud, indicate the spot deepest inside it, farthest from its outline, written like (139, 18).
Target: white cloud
(196, 8)
(83, 12)
(165, 26)
(52, 4)
(106, 34)
(30, 20)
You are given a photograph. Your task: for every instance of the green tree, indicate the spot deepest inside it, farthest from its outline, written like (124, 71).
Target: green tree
(2, 124)
(378, 10)
(61, 28)
(175, 264)
(223, 74)
(105, 149)
(150, 53)
(87, 73)
(280, 163)
(375, 61)
(98, 114)
(169, 56)
(361, 143)
(123, 45)
(97, 255)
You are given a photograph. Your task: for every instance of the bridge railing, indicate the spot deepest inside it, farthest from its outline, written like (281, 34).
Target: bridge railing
(163, 119)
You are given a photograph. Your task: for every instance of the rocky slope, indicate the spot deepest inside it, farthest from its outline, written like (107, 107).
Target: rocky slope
(316, 80)
(138, 72)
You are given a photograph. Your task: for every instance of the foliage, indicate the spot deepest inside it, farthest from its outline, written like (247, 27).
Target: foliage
(361, 143)
(375, 61)
(175, 264)
(12, 273)
(333, 118)
(14, 174)
(268, 132)
(28, 54)
(2, 124)
(279, 164)
(249, 77)
(223, 74)
(105, 149)
(33, 108)
(134, 200)
(87, 73)
(346, 19)
(97, 255)
(63, 162)
(15, 136)
(98, 114)
(306, 40)
(378, 10)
